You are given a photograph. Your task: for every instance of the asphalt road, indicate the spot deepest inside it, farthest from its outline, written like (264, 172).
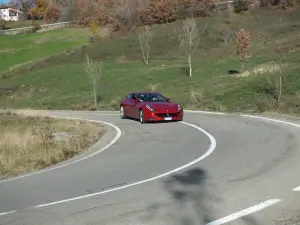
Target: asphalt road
(229, 169)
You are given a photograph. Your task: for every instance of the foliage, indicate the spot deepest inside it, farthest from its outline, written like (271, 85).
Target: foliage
(35, 27)
(99, 11)
(52, 14)
(3, 24)
(39, 9)
(242, 45)
(94, 30)
(166, 11)
(158, 11)
(289, 5)
(193, 8)
(240, 5)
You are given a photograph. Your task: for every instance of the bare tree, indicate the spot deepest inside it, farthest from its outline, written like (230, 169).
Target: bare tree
(145, 39)
(188, 37)
(94, 70)
(24, 6)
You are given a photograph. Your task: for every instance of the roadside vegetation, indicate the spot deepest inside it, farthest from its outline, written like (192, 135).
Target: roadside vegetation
(29, 143)
(204, 57)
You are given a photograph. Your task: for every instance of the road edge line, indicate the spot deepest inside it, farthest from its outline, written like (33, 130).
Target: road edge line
(245, 212)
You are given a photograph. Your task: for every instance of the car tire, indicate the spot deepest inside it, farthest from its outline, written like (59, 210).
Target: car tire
(122, 113)
(142, 117)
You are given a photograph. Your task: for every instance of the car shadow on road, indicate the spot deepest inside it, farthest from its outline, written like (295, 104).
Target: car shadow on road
(192, 199)
(153, 122)
(189, 200)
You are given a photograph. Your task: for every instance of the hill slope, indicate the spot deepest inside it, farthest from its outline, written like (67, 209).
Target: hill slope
(62, 83)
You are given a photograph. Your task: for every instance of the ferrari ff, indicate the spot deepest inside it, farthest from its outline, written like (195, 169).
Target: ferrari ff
(150, 106)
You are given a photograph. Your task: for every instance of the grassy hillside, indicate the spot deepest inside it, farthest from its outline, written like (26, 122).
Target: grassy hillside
(62, 83)
(19, 50)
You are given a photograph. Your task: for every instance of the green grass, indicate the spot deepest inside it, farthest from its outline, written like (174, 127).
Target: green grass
(63, 84)
(22, 49)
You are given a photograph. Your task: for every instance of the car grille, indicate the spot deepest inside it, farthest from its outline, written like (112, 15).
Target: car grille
(166, 114)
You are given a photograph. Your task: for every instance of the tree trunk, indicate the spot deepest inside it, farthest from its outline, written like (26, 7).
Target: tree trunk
(190, 65)
(242, 67)
(280, 90)
(95, 96)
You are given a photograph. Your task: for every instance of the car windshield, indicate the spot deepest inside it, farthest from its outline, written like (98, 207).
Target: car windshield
(151, 97)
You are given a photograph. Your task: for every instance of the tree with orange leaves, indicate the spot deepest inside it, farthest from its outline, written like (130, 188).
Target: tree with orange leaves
(242, 46)
(52, 14)
(39, 9)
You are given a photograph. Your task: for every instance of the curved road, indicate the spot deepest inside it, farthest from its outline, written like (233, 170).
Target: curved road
(210, 169)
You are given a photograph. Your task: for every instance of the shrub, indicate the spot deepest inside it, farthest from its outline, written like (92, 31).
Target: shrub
(52, 14)
(158, 11)
(288, 4)
(3, 24)
(166, 11)
(39, 9)
(194, 8)
(100, 11)
(240, 5)
(94, 30)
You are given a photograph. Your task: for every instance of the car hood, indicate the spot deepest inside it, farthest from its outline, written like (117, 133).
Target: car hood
(162, 106)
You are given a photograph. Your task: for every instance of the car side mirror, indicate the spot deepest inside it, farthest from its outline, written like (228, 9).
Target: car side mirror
(168, 99)
(136, 100)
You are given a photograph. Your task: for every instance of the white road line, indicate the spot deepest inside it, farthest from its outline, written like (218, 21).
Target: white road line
(206, 154)
(118, 135)
(207, 112)
(244, 212)
(5, 213)
(273, 120)
(296, 189)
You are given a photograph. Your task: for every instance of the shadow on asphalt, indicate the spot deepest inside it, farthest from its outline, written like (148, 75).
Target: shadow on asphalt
(190, 193)
(189, 201)
(152, 122)
(192, 201)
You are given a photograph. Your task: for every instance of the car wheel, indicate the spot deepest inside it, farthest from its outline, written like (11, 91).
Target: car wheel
(122, 112)
(142, 118)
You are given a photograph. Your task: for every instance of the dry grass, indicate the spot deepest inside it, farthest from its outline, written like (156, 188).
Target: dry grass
(196, 97)
(262, 70)
(30, 143)
(153, 87)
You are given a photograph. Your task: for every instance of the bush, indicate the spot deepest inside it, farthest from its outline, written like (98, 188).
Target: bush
(100, 11)
(52, 14)
(240, 5)
(158, 11)
(288, 4)
(3, 24)
(166, 11)
(94, 30)
(39, 9)
(195, 8)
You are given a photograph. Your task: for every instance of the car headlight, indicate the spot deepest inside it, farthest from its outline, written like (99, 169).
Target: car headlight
(148, 107)
(179, 107)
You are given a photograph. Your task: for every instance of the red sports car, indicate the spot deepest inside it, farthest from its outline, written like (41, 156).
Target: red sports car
(150, 106)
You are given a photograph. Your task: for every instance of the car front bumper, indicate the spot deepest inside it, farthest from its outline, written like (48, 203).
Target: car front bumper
(158, 116)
